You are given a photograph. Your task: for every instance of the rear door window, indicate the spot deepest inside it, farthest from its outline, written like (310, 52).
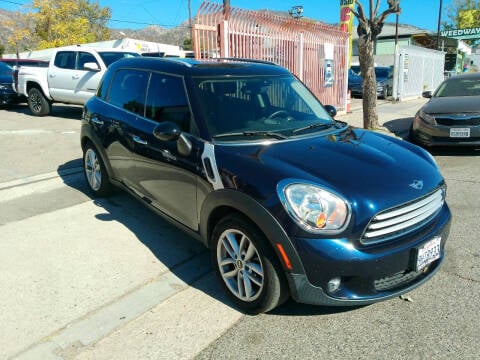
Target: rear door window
(65, 59)
(128, 90)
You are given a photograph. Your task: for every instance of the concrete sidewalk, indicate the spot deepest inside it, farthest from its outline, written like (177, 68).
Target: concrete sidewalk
(395, 117)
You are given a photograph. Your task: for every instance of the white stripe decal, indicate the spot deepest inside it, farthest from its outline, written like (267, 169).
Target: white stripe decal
(209, 153)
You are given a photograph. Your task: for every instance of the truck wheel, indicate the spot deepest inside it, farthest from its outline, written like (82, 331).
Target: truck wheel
(247, 266)
(38, 104)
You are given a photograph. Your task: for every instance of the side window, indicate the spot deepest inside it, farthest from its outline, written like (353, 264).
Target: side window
(85, 57)
(127, 90)
(65, 60)
(167, 101)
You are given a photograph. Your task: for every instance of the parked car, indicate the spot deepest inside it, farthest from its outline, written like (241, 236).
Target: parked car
(16, 63)
(384, 78)
(452, 114)
(242, 156)
(72, 77)
(7, 94)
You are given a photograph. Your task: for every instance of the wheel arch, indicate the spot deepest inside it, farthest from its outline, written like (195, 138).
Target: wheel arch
(88, 137)
(223, 202)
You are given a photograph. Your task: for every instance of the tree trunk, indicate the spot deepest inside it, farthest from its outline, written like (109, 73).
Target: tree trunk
(367, 66)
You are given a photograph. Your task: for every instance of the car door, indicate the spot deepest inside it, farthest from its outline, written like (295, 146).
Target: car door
(164, 176)
(60, 76)
(117, 118)
(85, 80)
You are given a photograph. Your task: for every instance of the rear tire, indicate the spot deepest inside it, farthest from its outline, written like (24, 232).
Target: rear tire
(247, 266)
(95, 172)
(38, 104)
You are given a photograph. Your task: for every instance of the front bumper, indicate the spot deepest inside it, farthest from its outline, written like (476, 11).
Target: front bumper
(368, 274)
(439, 135)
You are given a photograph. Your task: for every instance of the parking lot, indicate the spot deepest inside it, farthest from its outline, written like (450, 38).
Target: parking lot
(103, 279)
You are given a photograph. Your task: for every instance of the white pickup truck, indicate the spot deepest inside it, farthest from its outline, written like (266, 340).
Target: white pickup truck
(72, 77)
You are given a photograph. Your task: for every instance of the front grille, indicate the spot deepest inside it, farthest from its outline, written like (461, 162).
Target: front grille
(403, 219)
(394, 281)
(458, 120)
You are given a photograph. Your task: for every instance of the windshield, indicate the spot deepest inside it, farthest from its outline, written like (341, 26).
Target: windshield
(260, 105)
(459, 87)
(382, 72)
(110, 57)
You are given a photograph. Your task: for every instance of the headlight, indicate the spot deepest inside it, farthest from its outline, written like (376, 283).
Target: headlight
(429, 119)
(313, 208)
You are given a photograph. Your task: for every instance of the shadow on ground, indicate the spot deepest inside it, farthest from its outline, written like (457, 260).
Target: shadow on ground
(71, 112)
(171, 246)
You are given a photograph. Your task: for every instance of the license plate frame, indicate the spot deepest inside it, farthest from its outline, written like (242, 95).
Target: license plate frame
(459, 132)
(428, 253)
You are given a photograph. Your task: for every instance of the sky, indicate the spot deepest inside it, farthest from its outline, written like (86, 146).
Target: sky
(169, 13)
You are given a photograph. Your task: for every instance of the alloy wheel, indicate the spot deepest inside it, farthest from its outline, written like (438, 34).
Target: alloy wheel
(240, 265)
(93, 170)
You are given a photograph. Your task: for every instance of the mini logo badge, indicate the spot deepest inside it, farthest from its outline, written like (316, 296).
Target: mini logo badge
(417, 184)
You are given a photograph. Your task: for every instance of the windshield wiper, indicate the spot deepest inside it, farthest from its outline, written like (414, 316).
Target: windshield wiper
(253, 133)
(313, 126)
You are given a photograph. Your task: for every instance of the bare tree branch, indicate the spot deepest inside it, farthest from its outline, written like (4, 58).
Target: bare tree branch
(393, 8)
(377, 7)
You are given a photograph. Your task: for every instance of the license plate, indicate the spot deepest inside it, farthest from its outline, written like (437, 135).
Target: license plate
(428, 253)
(460, 132)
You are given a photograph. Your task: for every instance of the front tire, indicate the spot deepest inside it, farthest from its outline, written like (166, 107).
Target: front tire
(38, 104)
(95, 172)
(247, 266)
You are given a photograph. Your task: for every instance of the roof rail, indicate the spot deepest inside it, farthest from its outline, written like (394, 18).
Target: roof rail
(247, 60)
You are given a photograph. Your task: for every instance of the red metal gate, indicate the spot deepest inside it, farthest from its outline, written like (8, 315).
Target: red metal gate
(315, 52)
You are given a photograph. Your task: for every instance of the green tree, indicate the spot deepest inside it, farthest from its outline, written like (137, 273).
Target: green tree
(68, 22)
(368, 29)
(464, 14)
(2, 50)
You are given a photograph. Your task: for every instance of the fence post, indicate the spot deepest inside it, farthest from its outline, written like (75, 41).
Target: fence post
(224, 45)
(300, 57)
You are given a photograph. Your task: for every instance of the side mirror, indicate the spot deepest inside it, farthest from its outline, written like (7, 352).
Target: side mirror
(169, 131)
(91, 66)
(331, 110)
(427, 94)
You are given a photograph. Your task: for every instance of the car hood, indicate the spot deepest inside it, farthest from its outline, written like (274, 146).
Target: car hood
(454, 104)
(372, 171)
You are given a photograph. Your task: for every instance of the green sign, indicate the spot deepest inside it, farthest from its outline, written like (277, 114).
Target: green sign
(471, 33)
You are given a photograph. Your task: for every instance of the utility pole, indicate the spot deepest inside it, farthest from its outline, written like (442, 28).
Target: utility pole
(438, 27)
(226, 9)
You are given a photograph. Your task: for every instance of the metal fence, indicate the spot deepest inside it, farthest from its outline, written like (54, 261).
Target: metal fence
(316, 53)
(419, 69)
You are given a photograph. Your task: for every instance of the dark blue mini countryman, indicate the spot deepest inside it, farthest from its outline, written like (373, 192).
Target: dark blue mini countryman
(291, 202)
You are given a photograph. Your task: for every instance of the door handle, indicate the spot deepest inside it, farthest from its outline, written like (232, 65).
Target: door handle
(96, 120)
(75, 77)
(139, 140)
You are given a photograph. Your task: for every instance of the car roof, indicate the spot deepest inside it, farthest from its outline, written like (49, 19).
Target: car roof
(211, 67)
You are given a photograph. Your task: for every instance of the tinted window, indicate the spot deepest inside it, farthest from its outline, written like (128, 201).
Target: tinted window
(167, 101)
(127, 90)
(65, 59)
(85, 57)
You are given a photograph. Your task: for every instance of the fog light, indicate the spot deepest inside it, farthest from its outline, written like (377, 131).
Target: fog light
(333, 285)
